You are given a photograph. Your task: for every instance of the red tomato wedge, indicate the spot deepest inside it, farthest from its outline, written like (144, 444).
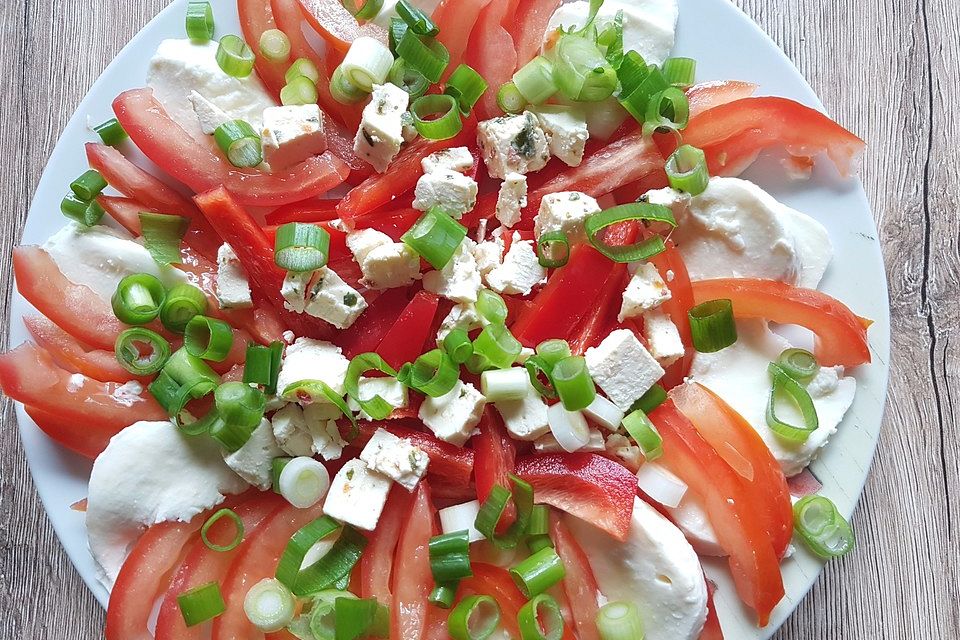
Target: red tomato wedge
(449, 464)
(579, 584)
(495, 454)
(125, 211)
(144, 574)
(405, 340)
(134, 182)
(456, 20)
(530, 26)
(707, 95)
(88, 413)
(803, 131)
(744, 450)
(376, 564)
(261, 554)
(256, 16)
(733, 507)
(70, 354)
(412, 577)
(404, 172)
(841, 334)
(677, 307)
(336, 26)
(312, 210)
(492, 54)
(197, 166)
(590, 487)
(490, 580)
(256, 255)
(368, 331)
(202, 565)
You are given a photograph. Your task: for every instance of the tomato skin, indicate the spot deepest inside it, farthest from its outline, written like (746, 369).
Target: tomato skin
(585, 485)
(202, 565)
(492, 54)
(744, 450)
(197, 166)
(70, 354)
(711, 629)
(579, 584)
(495, 454)
(376, 564)
(530, 24)
(734, 509)
(775, 122)
(405, 340)
(841, 335)
(412, 577)
(677, 307)
(310, 210)
(456, 20)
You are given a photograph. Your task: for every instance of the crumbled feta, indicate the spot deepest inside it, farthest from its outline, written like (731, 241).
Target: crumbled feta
(565, 211)
(566, 131)
(548, 443)
(290, 431)
(396, 458)
(392, 392)
(645, 291)
(459, 280)
(233, 287)
(357, 495)
(310, 359)
(462, 316)
(294, 290)
(380, 135)
(385, 264)
(520, 271)
(333, 300)
(513, 144)
(489, 255)
(455, 159)
(320, 420)
(210, 115)
(525, 419)
(452, 417)
(623, 368)
(512, 199)
(254, 460)
(410, 132)
(291, 134)
(622, 447)
(450, 190)
(663, 337)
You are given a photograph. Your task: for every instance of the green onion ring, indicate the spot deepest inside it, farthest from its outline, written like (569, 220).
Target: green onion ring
(212, 520)
(822, 528)
(458, 346)
(540, 619)
(208, 338)
(201, 604)
(782, 382)
(130, 357)
(183, 302)
(433, 374)
(235, 57)
(447, 122)
(376, 407)
(475, 618)
(538, 572)
(547, 246)
(301, 247)
(712, 325)
(639, 211)
(312, 390)
(799, 364)
(492, 509)
(138, 299)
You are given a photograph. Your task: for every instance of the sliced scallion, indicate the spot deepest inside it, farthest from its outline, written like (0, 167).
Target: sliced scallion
(799, 364)
(360, 618)
(89, 185)
(553, 351)
(111, 132)
(301, 247)
(84, 212)
(505, 384)
(783, 383)
(535, 81)
(240, 404)
(536, 367)
(466, 86)
(433, 374)
(458, 346)
(237, 525)
(645, 434)
(200, 24)
(493, 508)
(376, 407)
(573, 383)
(303, 482)
(208, 338)
(183, 302)
(138, 299)
(369, 10)
(619, 620)
(509, 98)
(336, 564)
(368, 62)
(435, 237)
(302, 67)
(687, 170)
(712, 326)
(450, 557)
(652, 399)
(496, 348)
(668, 110)
(262, 365)
(491, 306)
(540, 618)
(822, 528)
(275, 45)
(436, 117)
(680, 72)
(417, 21)
(141, 352)
(300, 90)
(475, 618)
(424, 54)
(269, 605)
(235, 56)
(408, 79)
(240, 143)
(201, 603)
(539, 572)
(581, 71)
(553, 249)
(319, 391)
(443, 595)
(163, 235)
(638, 211)
(344, 91)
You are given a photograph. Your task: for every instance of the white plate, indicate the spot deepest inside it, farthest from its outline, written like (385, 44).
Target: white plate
(727, 45)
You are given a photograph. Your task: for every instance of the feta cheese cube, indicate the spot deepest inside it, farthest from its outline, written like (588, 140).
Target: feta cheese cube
(452, 417)
(455, 159)
(489, 255)
(309, 359)
(210, 115)
(290, 431)
(233, 286)
(566, 130)
(452, 191)
(410, 132)
(459, 280)
(385, 264)
(462, 316)
(623, 368)
(254, 460)
(565, 211)
(320, 419)
(396, 458)
(357, 495)
(512, 199)
(520, 271)
(291, 134)
(392, 392)
(333, 300)
(513, 144)
(645, 291)
(525, 419)
(548, 443)
(663, 337)
(380, 135)
(294, 290)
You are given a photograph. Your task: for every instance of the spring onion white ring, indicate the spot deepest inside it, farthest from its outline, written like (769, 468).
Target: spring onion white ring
(304, 482)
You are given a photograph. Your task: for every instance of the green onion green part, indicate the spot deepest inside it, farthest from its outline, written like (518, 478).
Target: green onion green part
(89, 185)
(138, 299)
(712, 325)
(240, 404)
(231, 515)
(262, 365)
(450, 557)
(645, 434)
(783, 383)
(376, 407)
(493, 508)
(652, 399)
(344, 91)
(581, 71)
(301, 247)
(687, 170)
(141, 352)
(680, 72)
(356, 618)
(667, 111)
(319, 391)
(235, 56)
(337, 563)
(475, 618)
(619, 620)
(436, 117)
(573, 383)
(201, 604)
(799, 364)
(200, 24)
(275, 45)
(369, 10)
(540, 619)
(208, 338)
(111, 132)
(443, 595)
(491, 306)
(240, 143)
(466, 86)
(458, 346)
(183, 302)
(300, 90)
(416, 20)
(424, 54)
(81, 211)
(822, 528)
(635, 211)
(302, 67)
(435, 237)
(539, 572)
(163, 235)
(496, 348)
(553, 351)
(434, 374)
(534, 81)
(536, 367)
(553, 249)
(409, 80)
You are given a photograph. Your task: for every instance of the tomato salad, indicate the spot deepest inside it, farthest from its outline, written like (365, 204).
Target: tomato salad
(454, 323)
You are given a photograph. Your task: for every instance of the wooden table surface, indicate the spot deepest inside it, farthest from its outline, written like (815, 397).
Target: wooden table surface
(887, 69)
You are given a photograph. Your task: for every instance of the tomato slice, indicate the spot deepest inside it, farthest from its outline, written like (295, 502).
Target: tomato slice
(88, 412)
(376, 564)
(495, 454)
(456, 20)
(776, 122)
(405, 340)
(336, 26)
(707, 95)
(368, 331)
(449, 464)
(744, 450)
(677, 307)
(261, 554)
(585, 485)
(412, 577)
(134, 182)
(530, 25)
(311, 210)
(734, 509)
(579, 584)
(405, 171)
(70, 354)
(202, 565)
(125, 211)
(197, 166)
(841, 335)
(493, 54)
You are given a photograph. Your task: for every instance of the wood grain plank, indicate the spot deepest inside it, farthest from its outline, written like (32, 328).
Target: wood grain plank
(885, 68)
